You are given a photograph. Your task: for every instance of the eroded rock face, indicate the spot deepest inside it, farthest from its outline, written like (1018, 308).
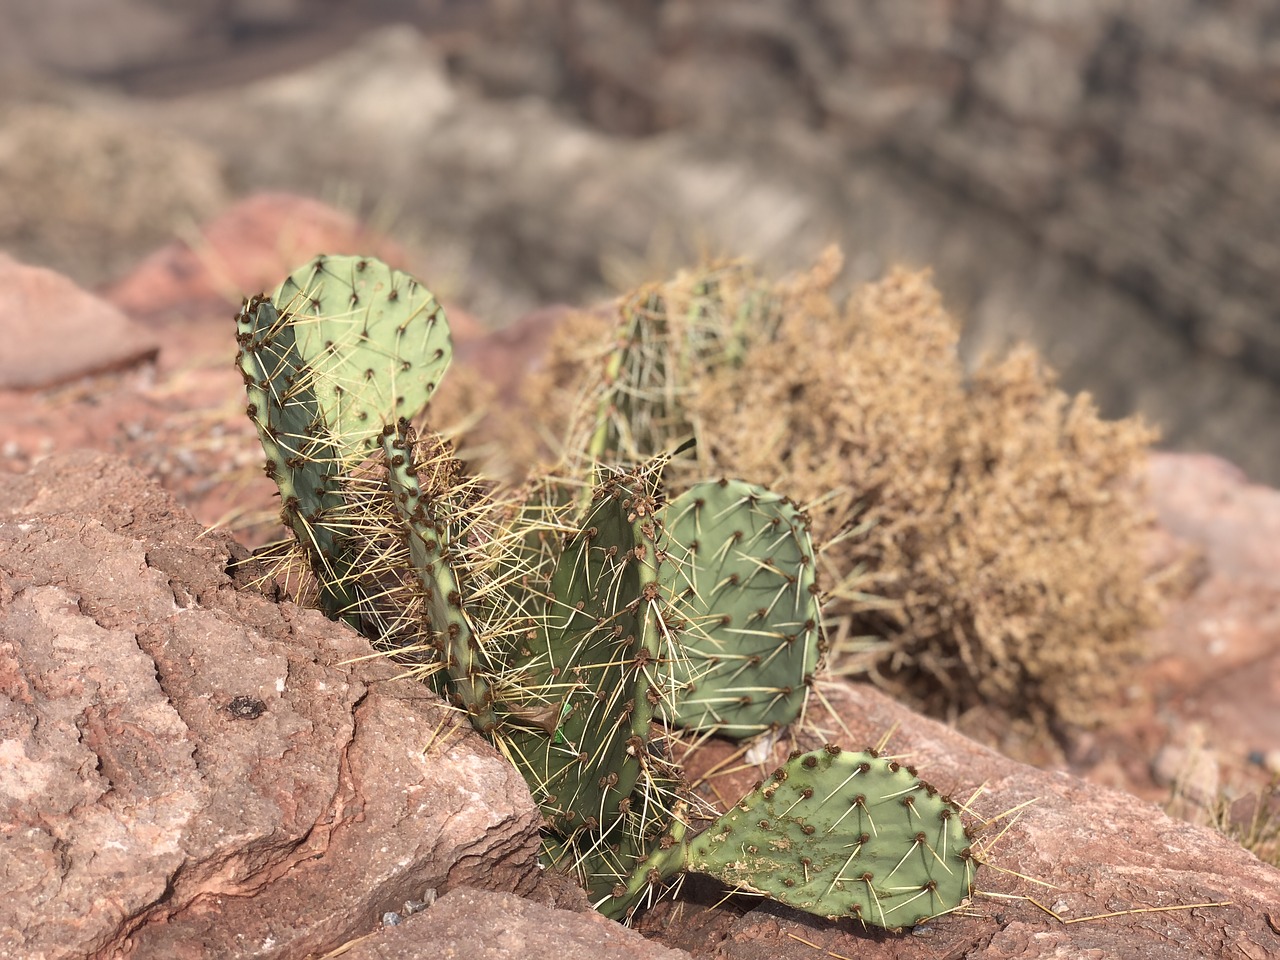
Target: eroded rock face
(190, 770)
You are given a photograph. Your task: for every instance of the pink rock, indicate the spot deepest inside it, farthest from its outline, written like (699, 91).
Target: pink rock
(247, 250)
(500, 926)
(188, 770)
(1217, 656)
(54, 332)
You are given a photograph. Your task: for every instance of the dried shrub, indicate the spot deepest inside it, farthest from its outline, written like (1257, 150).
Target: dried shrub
(984, 538)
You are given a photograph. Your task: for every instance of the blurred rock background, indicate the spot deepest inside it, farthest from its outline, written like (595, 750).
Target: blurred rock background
(1100, 177)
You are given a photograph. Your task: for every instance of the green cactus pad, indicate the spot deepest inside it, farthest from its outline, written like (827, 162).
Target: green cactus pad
(742, 565)
(372, 341)
(588, 679)
(301, 455)
(432, 514)
(346, 346)
(843, 834)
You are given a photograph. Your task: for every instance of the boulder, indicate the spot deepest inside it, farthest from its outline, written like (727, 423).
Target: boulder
(487, 925)
(1215, 663)
(54, 332)
(192, 770)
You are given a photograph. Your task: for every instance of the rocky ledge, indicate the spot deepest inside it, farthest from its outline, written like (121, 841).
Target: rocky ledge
(190, 768)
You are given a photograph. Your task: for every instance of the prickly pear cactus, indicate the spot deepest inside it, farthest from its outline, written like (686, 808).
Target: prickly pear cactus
(834, 833)
(302, 456)
(742, 566)
(574, 642)
(344, 347)
(373, 343)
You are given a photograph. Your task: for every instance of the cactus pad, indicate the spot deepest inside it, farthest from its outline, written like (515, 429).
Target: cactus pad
(843, 834)
(302, 457)
(345, 347)
(372, 342)
(742, 563)
(584, 676)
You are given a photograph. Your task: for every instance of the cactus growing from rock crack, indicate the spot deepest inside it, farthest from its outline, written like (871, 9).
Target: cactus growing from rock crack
(574, 643)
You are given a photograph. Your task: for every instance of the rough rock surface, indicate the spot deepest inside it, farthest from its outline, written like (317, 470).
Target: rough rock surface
(54, 332)
(1077, 849)
(191, 770)
(484, 925)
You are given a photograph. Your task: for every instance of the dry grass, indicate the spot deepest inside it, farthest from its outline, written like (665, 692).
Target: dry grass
(984, 537)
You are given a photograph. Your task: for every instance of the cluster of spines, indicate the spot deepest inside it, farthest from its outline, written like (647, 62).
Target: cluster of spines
(590, 664)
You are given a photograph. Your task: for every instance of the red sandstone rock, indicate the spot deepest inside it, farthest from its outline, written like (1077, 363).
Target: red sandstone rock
(53, 331)
(506, 357)
(247, 250)
(191, 771)
(1217, 657)
(484, 925)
